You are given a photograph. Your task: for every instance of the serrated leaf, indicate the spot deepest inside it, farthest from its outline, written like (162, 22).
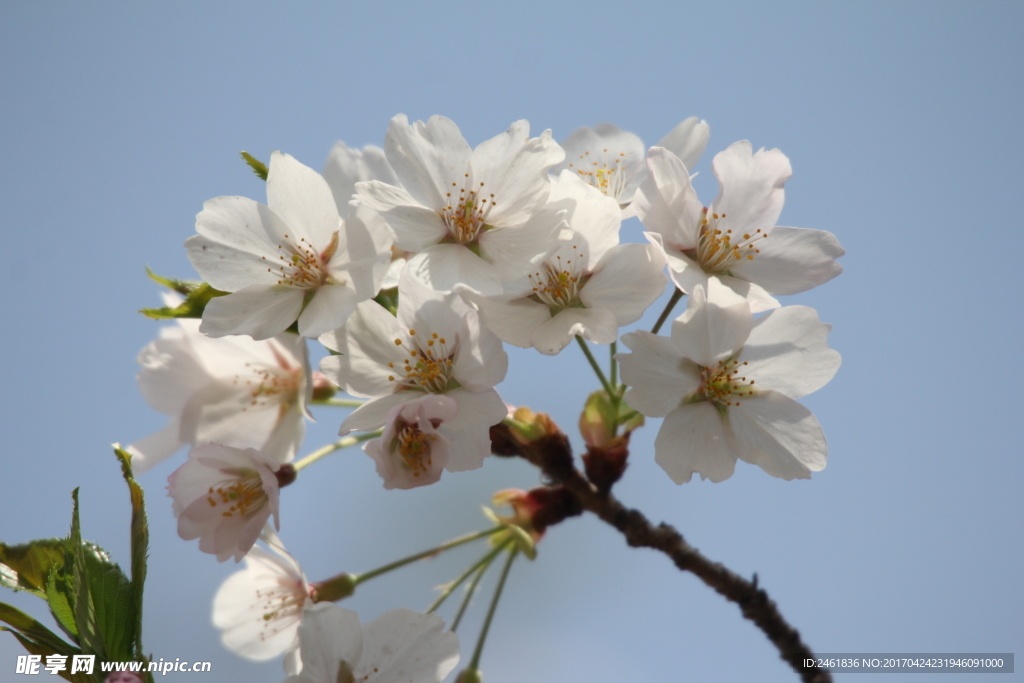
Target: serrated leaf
(257, 166)
(140, 541)
(34, 631)
(30, 564)
(193, 306)
(60, 598)
(113, 606)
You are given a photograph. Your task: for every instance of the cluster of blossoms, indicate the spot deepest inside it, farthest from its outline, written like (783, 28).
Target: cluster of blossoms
(412, 265)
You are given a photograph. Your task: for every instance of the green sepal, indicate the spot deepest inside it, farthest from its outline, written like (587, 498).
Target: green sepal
(26, 567)
(140, 541)
(197, 295)
(388, 298)
(257, 166)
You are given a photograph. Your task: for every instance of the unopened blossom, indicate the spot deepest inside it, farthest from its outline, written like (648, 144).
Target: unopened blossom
(258, 609)
(726, 384)
(291, 259)
(473, 213)
(412, 452)
(612, 160)
(223, 496)
(400, 646)
(735, 240)
(435, 346)
(588, 285)
(231, 390)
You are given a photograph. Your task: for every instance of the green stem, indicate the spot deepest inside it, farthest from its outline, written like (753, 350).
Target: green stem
(676, 296)
(454, 543)
(593, 364)
(483, 562)
(475, 662)
(470, 592)
(614, 379)
(336, 446)
(339, 402)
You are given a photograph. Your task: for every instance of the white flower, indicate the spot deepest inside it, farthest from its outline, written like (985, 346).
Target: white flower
(346, 166)
(726, 383)
(588, 285)
(223, 496)
(612, 160)
(233, 390)
(292, 259)
(734, 240)
(468, 210)
(412, 452)
(436, 345)
(258, 609)
(400, 646)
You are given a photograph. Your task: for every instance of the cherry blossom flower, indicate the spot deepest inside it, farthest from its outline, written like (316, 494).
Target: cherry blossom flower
(232, 390)
(734, 240)
(291, 259)
(412, 452)
(223, 496)
(258, 609)
(346, 166)
(471, 212)
(435, 346)
(612, 160)
(588, 285)
(400, 645)
(725, 383)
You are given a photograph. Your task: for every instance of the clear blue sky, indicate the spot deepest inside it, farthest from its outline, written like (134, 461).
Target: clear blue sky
(903, 125)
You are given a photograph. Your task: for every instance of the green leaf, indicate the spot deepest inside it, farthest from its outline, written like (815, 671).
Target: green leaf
(26, 567)
(60, 597)
(258, 167)
(140, 541)
(31, 629)
(196, 298)
(182, 287)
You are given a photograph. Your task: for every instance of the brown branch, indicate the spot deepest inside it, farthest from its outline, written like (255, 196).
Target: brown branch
(553, 455)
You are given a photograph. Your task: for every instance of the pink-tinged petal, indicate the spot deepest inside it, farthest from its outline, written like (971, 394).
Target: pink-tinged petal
(328, 310)
(328, 635)
(708, 333)
(363, 254)
(402, 645)
(469, 431)
(416, 227)
(156, 448)
(658, 376)
(597, 325)
(446, 267)
(687, 140)
(427, 157)
(513, 321)
(788, 352)
(480, 361)
(514, 168)
(424, 463)
(627, 281)
(260, 311)
(366, 346)
(751, 188)
(793, 260)
(666, 203)
(692, 440)
(303, 200)
(778, 435)
(345, 167)
(374, 414)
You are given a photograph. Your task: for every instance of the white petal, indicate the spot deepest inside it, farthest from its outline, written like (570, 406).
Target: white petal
(156, 447)
(691, 439)
(778, 435)
(751, 187)
(666, 203)
(363, 254)
(426, 157)
(788, 351)
(605, 146)
(514, 167)
(469, 431)
(234, 243)
(480, 362)
(512, 250)
(345, 167)
(402, 645)
(707, 333)
(446, 267)
(687, 141)
(758, 299)
(261, 311)
(513, 321)
(793, 260)
(658, 376)
(374, 414)
(303, 200)
(416, 227)
(328, 636)
(628, 281)
(366, 346)
(597, 325)
(592, 214)
(328, 310)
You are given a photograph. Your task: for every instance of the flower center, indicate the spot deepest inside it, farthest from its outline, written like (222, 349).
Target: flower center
(267, 385)
(242, 495)
(282, 605)
(717, 250)
(723, 385)
(301, 265)
(466, 215)
(428, 365)
(559, 284)
(606, 171)
(413, 447)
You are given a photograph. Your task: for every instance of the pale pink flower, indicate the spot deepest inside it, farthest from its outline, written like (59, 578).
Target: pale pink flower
(412, 451)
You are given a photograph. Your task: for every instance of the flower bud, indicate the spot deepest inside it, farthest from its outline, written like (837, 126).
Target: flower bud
(323, 388)
(528, 426)
(470, 676)
(333, 589)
